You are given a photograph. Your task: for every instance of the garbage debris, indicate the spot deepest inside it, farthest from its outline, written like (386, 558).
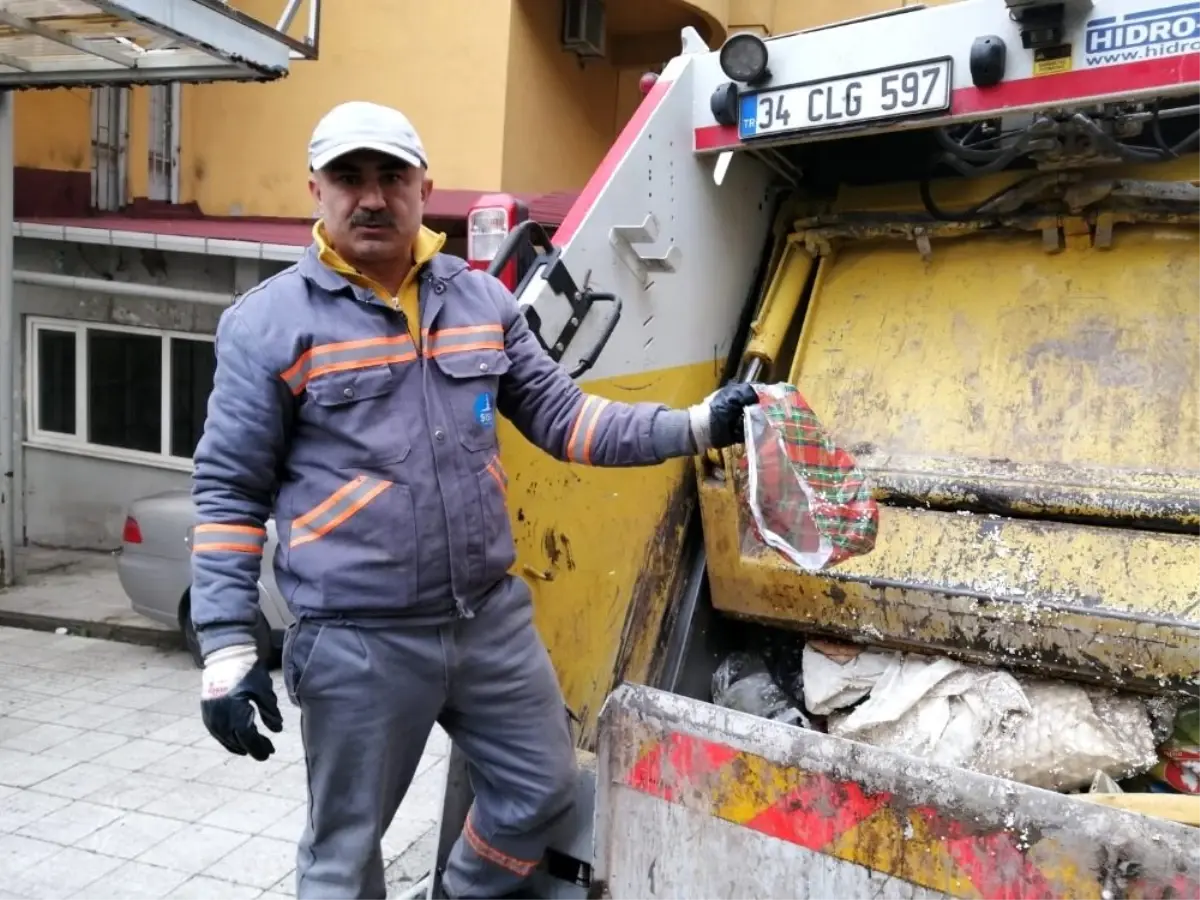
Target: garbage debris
(1104, 784)
(783, 652)
(1163, 710)
(1178, 765)
(838, 675)
(1043, 733)
(1072, 731)
(936, 709)
(742, 682)
(807, 497)
(1050, 734)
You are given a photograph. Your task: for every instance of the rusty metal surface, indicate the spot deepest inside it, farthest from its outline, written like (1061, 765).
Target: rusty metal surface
(948, 831)
(1111, 605)
(639, 654)
(994, 350)
(1158, 500)
(1031, 421)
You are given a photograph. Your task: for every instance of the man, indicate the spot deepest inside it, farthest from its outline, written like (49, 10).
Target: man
(353, 398)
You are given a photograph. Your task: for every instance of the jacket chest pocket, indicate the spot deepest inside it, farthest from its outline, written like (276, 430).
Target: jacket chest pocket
(357, 407)
(472, 381)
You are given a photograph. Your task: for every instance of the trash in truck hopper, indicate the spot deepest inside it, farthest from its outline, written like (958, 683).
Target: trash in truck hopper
(742, 682)
(1048, 734)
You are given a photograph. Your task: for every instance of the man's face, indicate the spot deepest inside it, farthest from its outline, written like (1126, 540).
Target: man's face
(371, 205)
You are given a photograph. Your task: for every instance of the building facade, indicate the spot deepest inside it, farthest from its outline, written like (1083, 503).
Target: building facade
(142, 211)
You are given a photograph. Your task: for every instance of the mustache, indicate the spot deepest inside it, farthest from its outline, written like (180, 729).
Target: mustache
(372, 220)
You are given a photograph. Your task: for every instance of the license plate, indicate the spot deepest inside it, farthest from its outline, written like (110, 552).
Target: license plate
(894, 93)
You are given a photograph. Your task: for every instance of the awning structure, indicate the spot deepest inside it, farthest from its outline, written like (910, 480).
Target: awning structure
(64, 43)
(51, 43)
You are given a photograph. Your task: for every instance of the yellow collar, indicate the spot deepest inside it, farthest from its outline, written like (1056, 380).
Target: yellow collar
(426, 246)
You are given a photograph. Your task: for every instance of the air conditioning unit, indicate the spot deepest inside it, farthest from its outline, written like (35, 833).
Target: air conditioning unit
(583, 26)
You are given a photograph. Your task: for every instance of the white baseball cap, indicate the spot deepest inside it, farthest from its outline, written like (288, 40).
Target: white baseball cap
(359, 125)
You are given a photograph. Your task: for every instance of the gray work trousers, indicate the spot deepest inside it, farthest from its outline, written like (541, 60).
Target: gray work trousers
(368, 700)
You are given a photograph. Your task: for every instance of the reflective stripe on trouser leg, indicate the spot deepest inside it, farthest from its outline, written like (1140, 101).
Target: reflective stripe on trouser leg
(505, 711)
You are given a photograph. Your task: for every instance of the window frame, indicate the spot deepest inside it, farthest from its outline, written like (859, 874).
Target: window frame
(165, 125)
(77, 443)
(110, 146)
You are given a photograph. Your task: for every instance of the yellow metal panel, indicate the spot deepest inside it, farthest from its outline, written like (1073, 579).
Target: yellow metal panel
(600, 547)
(995, 349)
(1115, 605)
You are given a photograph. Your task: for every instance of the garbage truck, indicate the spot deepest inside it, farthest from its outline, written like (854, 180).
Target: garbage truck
(967, 234)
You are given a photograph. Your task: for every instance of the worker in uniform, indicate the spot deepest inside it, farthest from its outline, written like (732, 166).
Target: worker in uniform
(354, 399)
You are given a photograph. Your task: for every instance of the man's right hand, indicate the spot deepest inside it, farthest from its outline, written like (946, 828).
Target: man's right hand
(233, 677)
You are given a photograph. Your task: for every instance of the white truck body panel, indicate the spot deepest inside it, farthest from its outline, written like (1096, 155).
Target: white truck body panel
(1120, 49)
(670, 318)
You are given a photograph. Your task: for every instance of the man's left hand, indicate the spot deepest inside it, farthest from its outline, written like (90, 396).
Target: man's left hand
(718, 421)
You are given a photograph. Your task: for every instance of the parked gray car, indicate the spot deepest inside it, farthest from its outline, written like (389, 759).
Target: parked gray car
(154, 565)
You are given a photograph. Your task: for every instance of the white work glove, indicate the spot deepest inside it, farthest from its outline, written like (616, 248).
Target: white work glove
(233, 677)
(718, 420)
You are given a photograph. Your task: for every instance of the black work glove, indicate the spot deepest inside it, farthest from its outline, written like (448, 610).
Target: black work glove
(717, 421)
(233, 677)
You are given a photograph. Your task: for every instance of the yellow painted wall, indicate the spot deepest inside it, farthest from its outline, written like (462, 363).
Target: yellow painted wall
(441, 63)
(53, 129)
(560, 112)
(794, 15)
(499, 104)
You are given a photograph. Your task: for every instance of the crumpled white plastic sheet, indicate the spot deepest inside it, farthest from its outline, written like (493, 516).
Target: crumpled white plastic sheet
(1043, 733)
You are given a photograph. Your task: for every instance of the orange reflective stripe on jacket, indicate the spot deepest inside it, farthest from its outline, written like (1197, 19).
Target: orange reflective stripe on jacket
(583, 433)
(464, 339)
(345, 355)
(336, 509)
(216, 537)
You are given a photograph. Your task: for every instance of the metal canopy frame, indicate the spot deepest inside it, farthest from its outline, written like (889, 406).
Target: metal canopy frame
(60, 43)
(95, 43)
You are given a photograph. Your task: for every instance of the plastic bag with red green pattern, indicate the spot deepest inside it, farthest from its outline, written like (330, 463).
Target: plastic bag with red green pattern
(807, 497)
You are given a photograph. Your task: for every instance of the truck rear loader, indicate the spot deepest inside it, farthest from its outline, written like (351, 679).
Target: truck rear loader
(968, 235)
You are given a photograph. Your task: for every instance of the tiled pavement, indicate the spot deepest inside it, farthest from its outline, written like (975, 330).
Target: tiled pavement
(110, 786)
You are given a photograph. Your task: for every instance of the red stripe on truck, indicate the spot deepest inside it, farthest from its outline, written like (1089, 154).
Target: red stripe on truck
(608, 166)
(1136, 76)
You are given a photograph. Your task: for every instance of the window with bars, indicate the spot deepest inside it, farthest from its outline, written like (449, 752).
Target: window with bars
(164, 142)
(110, 142)
(131, 392)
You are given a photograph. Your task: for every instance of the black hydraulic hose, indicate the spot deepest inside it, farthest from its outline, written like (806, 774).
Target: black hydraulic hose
(1112, 145)
(961, 151)
(964, 215)
(995, 163)
(1177, 150)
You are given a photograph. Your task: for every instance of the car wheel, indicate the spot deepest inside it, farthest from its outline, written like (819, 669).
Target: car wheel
(262, 637)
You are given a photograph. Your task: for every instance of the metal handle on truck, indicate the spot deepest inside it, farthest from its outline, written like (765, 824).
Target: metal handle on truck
(531, 234)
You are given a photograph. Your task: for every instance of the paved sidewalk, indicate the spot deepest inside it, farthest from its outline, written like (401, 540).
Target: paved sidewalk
(111, 788)
(79, 591)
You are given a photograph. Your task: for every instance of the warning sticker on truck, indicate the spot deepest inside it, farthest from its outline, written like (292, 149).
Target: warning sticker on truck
(1052, 60)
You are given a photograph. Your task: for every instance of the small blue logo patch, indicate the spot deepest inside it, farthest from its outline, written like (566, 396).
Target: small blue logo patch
(484, 412)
